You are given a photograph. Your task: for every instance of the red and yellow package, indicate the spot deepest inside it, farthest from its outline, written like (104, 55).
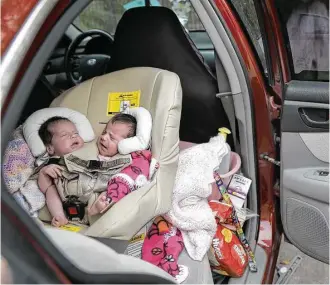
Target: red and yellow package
(222, 213)
(227, 256)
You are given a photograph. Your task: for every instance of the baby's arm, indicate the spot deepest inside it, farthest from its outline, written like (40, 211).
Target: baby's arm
(129, 179)
(53, 200)
(54, 204)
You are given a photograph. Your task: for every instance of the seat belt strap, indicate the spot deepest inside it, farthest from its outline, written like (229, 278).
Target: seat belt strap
(226, 97)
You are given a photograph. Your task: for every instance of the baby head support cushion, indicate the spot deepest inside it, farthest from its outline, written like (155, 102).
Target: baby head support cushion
(143, 131)
(33, 123)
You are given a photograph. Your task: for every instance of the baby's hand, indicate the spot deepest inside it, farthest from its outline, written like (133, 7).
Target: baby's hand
(47, 174)
(53, 170)
(59, 220)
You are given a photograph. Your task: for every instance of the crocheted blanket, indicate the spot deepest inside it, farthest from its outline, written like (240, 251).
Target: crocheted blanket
(18, 165)
(190, 211)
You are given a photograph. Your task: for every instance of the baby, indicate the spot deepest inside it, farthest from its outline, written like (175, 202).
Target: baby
(130, 178)
(60, 137)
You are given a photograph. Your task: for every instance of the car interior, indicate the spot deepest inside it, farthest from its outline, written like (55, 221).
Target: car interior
(66, 81)
(187, 80)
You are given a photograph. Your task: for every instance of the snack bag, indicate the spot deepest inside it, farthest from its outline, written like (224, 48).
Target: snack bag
(222, 213)
(227, 256)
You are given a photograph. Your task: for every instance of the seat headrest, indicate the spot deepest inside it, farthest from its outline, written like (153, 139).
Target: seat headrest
(33, 123)
(158, 39)
(154, 37)
(143, 131)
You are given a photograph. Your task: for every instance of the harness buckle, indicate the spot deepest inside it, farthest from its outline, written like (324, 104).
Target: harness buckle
(74, 209)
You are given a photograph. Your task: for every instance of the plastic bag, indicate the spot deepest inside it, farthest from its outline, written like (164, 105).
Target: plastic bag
(245, 214)
(226, 255)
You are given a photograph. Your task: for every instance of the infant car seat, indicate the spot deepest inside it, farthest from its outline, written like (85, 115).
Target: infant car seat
(160, 93)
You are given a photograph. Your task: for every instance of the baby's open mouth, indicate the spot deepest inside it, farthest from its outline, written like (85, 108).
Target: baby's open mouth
(75, 144)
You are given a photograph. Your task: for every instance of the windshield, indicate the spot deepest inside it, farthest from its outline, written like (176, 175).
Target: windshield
(105, 14)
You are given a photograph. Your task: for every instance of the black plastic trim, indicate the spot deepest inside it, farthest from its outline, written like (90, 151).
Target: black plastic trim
(292, 120)
(323, 124)
(307, 91)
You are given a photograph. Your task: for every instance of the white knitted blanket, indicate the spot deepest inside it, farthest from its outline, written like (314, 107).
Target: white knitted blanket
(190, 210)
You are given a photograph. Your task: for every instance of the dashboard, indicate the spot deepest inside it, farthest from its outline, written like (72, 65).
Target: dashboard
(55, 72)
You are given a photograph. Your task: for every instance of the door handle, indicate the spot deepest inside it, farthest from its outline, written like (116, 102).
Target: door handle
(323, 123)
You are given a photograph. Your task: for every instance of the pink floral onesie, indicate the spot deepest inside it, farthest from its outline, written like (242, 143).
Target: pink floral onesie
(132, 177)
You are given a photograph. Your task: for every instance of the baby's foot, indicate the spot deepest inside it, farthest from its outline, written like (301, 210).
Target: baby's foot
(59, 220)
(100, 205)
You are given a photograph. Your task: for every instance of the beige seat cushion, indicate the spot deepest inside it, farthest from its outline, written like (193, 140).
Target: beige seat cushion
(161, 94)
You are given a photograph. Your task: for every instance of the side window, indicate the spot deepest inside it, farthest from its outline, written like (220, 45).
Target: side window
(305, 24)
(248, 15)
(105, 14)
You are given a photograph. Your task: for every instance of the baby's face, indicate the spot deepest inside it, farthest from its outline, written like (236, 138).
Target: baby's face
(65, 140)
(113, 133)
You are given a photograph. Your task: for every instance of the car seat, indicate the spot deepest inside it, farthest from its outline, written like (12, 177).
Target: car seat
(154, 36)
(161, 95)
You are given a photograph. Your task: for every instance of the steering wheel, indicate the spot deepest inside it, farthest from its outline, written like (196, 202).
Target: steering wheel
(81, 67)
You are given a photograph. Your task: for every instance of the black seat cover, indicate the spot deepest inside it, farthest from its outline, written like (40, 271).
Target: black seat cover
(154, 37)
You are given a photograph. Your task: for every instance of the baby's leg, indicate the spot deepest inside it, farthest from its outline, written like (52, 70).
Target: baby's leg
(55, 207)
(100, 205)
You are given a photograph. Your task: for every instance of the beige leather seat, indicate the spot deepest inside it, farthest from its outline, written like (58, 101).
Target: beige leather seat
(161, 94)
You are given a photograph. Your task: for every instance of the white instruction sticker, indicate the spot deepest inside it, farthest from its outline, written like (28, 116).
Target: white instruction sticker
(135, 245)
(238, 189)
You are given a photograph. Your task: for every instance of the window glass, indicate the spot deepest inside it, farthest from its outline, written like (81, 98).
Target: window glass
(105, 14)
(305, 24)
(248, 15)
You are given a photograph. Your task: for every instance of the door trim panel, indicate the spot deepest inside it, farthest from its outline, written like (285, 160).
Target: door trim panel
(292, 120)
(318, 144)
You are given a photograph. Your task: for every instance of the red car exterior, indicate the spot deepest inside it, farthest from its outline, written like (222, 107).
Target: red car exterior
(15, 12)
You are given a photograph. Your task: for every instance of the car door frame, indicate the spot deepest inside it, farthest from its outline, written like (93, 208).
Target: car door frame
(294, 130)
(265, 110)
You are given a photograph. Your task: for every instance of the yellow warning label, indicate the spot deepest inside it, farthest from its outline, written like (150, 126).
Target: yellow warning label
(137, 238)
(119, 101)
(67, 227)
(71, 228)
